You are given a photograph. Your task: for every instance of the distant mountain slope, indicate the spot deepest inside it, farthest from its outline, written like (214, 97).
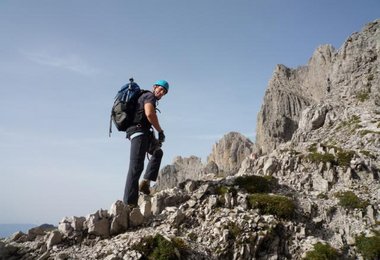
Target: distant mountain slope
(8, 229)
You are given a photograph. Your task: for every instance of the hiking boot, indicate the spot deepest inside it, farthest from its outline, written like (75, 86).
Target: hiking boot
(145, 187)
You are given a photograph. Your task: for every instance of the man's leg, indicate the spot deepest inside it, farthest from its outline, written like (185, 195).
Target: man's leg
(139, 146)
(153, 167)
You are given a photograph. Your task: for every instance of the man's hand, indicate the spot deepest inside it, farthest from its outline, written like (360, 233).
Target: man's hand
(161, 136)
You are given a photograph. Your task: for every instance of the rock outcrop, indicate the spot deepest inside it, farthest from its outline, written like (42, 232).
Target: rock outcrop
(229, 153)
(180, 170)
(225, 159)
(331, 77)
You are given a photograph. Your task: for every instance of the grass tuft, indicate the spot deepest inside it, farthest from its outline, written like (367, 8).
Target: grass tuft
(369, 247)
(322, 252)
(256, 184)
(160, 248)
(280, 206)
(348, 200)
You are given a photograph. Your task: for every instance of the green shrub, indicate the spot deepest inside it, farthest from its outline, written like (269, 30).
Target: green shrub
(256, 184)
(319, 157)
(344, 158)
(192, 236)
(369, 247)
(322, 196)
(222, 190)
(362, 95)
(313, 148)
(365, 132)
(322, 252)
(348, 200)
(353, 123)
(180, 244)
(280, 206)
(368, 154)
(159, 248)
(234, 229)
(331, 210)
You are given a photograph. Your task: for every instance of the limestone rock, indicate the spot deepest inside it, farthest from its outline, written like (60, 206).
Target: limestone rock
(145, 206)
(65, 226)
(229, 152)
(68, 225)
(338, 77)
(54, 238)
(98, 224)
(119, 213)
(270, 166)
(313, 117)
(18, 237)
(36, 232)
(181, 169)
(135, 217)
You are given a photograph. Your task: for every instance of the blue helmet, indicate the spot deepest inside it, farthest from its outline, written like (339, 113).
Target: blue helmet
(163, 83)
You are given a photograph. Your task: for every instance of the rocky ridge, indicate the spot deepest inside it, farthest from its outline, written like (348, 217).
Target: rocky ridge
(331, 78)
(224, 160)
(316, 182)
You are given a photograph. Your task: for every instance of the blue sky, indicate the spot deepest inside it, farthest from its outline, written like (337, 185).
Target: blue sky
(63, 61)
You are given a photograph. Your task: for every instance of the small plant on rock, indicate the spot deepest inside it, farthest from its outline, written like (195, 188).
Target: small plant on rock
(369, 247)
(322, 196)
(322, 252)
(344, 158)
(280, 206)
(192, 236)
(234, 229)
(312, 148)
(222, 190)
(159, 248)
(368, 154)
(319, 157)
(331, 210)
(348, 200)
(365, 132)
(256, 184)
(363, 95)
(352, 124)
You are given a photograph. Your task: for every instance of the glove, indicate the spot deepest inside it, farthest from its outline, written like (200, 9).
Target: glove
(161, 137)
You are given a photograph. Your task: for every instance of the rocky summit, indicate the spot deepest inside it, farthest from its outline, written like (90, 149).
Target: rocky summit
(307, 189)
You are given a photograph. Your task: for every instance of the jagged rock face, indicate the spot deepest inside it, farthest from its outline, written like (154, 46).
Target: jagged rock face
(356, 66)
(333, 77)
(180, 170)
(225, 159)
(230, 151)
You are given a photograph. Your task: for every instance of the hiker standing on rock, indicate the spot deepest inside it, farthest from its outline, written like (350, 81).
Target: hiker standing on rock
(143, 141)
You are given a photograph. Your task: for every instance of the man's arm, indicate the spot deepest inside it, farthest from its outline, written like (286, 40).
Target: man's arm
(151, 115)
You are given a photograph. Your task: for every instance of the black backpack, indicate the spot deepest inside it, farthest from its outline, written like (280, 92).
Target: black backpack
(124, 106)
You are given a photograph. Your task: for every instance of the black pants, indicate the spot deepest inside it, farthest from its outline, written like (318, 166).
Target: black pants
(139, 148)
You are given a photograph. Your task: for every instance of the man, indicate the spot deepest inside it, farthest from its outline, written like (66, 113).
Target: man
(143, 140)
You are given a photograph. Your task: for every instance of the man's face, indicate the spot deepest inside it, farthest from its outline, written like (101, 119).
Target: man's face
(159, 92)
